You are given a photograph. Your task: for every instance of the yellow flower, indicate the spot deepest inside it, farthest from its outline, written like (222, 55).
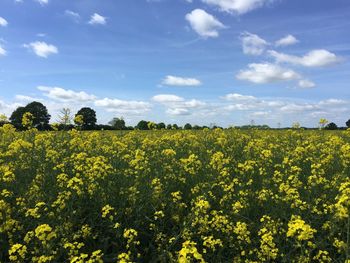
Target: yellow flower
(299, 229)
(17, 252)
(44, 233)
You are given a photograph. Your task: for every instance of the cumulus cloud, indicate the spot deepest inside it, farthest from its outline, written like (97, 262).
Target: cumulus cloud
(177, 105)
(293, 107)
(266, 73)
(287, 41)
(315, 58)
(65, 95)
(2, 51)
(26, 98)
(97, 19)
(204, 24)
(253, 44)
(42, 2)
(73, 15)
(3, 22)
(306, 84)
(180, 81)
(238, 97)
(165, 98)
(285, 108)
(124, 106)
(42, 49)
(333, 102)
(237, 6)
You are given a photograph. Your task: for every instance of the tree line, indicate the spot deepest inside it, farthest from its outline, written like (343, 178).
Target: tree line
(35, 115)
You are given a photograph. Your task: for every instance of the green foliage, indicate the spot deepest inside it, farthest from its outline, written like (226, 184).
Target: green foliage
(118, 123)
(142, 125)
(331, 126)
(40, 116)
(88, 118)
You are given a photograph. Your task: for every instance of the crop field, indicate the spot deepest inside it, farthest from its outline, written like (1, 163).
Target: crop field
(174, 196)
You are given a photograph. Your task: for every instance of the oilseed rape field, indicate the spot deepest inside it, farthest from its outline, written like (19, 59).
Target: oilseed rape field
(174, 196)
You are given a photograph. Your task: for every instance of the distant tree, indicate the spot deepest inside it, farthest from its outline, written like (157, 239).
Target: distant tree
(118, 123)
(41, 117)
(188, 126)
(88, 118)
(161, 125)
(16, 117)
(348, 124)
(175, 127)
(142, 125)
(331, 126)
(169, 127)
(65, 117)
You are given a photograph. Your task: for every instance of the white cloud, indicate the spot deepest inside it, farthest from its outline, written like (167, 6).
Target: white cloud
(165, 98)
(64, 95)
(178, 111)
(293, 107)
(179, 81)
(260, 114)
(41, 35)
(332, 102)
(97, 19)
(237, 6)
(315, 58)
(124, 106)
(306, 84)
(238, 97)
(42, 49)
(75, 16)
(42, 2)
(2, 51)
(287, 41)
(204, 24)
(266, 73)
(252, 44)
(3, 22)
(26, 98)
(177, 105)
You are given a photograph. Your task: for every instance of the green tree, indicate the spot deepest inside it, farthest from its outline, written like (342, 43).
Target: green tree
(161, 125)
(41, 117)
(88, 118)
(348, 124)
(169, 127)
(331, 126)
(118, 123)
(188, 126)
(142, 125)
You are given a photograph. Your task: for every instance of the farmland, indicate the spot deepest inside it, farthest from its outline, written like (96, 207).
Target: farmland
(174, 196)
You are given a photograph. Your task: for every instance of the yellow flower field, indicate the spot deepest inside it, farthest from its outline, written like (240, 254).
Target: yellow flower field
(174, 196)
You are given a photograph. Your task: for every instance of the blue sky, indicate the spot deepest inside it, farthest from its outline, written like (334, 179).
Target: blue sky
(202, 61)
